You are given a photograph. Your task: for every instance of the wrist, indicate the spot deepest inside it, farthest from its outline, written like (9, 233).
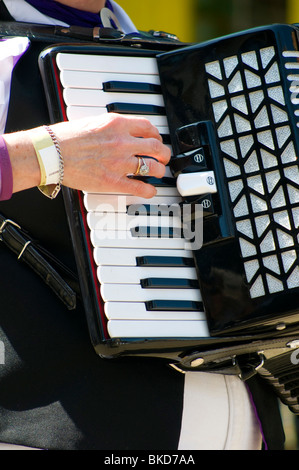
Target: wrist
(24, 165)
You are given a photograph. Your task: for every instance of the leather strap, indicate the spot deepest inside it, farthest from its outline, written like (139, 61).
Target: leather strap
(54, 34)
(20, 243)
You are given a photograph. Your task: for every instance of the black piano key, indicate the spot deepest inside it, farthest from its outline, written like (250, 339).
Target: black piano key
(133, 108)
(131, 87)
(166, 139)
(158, 182)
(164, 261)
(174, 305)
(140, 209)
(168, 283)
(154, 210)
(157, 232)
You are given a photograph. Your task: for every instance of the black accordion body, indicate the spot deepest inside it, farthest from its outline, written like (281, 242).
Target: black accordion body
(229, 110)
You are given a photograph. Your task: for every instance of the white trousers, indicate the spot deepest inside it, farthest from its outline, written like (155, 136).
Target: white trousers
(217, 415)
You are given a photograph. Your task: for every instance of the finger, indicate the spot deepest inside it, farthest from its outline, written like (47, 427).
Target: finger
(155, 149)
(140, 189)
(141, 127)
(133, 187)
(152, 148)
(144, 190)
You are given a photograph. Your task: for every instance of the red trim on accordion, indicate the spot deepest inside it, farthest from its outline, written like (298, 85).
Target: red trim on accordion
(93, 267)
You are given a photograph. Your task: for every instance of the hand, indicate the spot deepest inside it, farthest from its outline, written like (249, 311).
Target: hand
(98, 154)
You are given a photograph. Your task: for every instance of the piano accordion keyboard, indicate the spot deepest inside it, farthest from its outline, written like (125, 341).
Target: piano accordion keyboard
(148, 281)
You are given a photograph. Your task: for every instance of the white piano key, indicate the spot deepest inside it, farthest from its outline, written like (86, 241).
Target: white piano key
(122, 201)
(119, 203)
(127, 257)
(138, 311)
(95, 80)
(78, 112)
(135, 293)
(133, 275)
(115, 221)
(157, 329)
(87, 97)
(167, 192)
(168, 173)
(124, 239)
(106, 63)
(162, 191)
(163, 130)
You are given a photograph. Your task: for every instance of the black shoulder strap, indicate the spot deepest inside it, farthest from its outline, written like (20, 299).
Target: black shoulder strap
(267, 408)
(34, 32)
(4, 13)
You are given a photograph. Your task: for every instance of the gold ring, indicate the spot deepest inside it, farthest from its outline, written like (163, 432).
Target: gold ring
(142, 169)
(139, 166)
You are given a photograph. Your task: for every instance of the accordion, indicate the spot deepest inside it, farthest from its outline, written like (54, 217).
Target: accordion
(229, 110)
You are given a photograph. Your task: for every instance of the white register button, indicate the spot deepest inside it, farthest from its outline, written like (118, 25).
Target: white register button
(192, 184)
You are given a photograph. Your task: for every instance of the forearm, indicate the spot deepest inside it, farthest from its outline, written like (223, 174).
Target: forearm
(25, 167)
(98, 154)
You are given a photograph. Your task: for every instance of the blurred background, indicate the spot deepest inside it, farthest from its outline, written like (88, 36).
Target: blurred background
(200, 20)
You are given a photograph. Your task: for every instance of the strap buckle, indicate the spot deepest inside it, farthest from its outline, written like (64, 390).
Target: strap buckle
(5, 222)
(250, 369)
(11, 222)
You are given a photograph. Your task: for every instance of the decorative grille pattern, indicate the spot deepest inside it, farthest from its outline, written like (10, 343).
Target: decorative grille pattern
(260, 163)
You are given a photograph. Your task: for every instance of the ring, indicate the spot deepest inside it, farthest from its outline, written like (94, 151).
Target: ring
(142, 168)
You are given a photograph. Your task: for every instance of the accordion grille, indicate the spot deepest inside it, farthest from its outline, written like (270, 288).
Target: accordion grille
(257, 142)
